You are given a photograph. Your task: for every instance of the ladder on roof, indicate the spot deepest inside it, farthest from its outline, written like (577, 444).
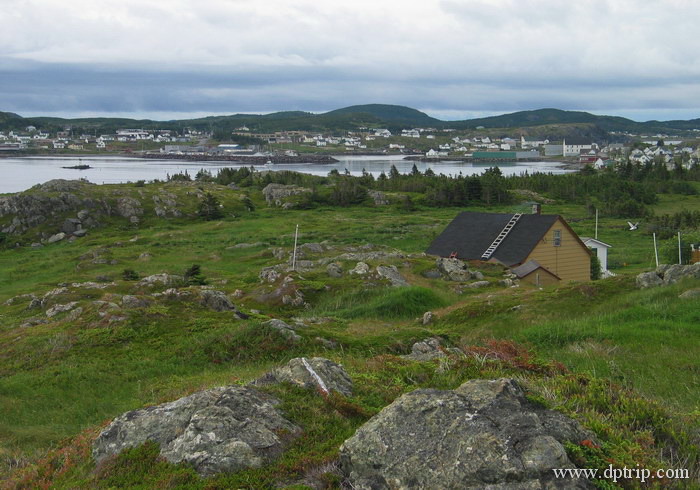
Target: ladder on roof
(501, 236)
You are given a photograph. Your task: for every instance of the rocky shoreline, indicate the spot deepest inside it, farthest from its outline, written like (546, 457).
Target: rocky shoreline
(250, 159)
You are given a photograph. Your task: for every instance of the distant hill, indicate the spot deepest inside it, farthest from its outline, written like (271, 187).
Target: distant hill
(391, 113)
(554, 122)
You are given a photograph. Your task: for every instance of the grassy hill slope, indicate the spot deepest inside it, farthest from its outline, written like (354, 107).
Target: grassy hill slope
(622, 361)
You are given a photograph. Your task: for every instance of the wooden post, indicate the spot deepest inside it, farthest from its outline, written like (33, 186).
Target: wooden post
(294, 256)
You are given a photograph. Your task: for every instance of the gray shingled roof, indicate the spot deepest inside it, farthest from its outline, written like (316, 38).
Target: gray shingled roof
(470, 234)
(529, 267)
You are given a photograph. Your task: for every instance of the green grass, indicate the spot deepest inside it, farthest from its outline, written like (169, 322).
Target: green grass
(63, 378)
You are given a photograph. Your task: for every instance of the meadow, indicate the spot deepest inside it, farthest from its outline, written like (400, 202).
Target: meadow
(621, 360)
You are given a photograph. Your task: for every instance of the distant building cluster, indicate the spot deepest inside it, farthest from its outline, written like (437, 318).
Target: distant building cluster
(31, 138)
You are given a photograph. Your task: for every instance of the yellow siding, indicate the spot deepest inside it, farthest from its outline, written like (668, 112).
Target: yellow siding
(543, 277)
(570, 261)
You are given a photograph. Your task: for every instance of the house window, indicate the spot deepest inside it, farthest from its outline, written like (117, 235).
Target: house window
(557, 238)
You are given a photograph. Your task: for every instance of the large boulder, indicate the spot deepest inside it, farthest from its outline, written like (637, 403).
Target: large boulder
(391, 273)
(223, 429)
(216, 300)
(667, 274)
(128, 207)
(163, 279)
(484, 434)
(456, 270)
(315, 373)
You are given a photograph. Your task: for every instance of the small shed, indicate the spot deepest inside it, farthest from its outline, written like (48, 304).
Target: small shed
(533, 273)
(601, 251)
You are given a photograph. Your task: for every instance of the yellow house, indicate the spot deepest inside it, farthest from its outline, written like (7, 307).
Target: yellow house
(544, 242)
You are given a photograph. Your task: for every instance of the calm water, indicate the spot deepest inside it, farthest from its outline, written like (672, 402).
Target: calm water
(18, 174)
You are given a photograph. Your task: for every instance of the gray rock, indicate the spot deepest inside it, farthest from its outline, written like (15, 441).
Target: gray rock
(315, 373)
(269, 274)
(456, 270)
(360, 269)
(334, 270)
(427, 318)
(130, 301)
(216, 300)
(36, 245)
(70, 226)
(275, 194)
(507, 282)
(667, 274)
(478, 284)
(162, 279)
(56, 238)
(391, 273)
(128, 207)
(484, 434)
(426, 350)
(378, 197)
(56, 309)
(219, 430)
(21, 298)
(80, 233)
(315, 248)
(676, 272)
(286, 330)
(145, 257)
(246, 245)
(83, 214)
(432, 274)
(690, 294)
(296, 298)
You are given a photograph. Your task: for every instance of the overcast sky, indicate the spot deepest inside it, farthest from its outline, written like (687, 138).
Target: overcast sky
(453, 59)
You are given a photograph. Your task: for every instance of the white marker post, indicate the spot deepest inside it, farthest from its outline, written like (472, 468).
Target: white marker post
(294, 256)
(656, 252)
(679, 248)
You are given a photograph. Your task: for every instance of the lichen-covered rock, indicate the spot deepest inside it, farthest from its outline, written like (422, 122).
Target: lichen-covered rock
(360, 269)
(128, 207)
(269, 274)
(56, 309)
(334, 270)
(275, 194)
(315, 373)
(216, 300)
(130, 301)
(484, 434)
(162, 279)
(648, 280)
(456, 270)
(223, 429)
(690, 294)
(283, 328)
(56, 238)
(426, 350)
(391, 273)
(378, 197)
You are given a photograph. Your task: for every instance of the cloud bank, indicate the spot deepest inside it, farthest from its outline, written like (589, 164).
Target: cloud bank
(450, 58)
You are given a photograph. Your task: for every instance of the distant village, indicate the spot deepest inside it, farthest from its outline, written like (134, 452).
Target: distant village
(418, 143)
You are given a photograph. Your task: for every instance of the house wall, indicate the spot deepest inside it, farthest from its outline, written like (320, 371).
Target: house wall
(570, 261)
(544, 278)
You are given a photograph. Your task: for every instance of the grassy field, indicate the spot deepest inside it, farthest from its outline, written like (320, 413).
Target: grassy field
(623, 361)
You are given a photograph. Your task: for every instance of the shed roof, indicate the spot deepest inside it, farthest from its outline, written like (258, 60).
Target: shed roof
(529, 267)
(470, 234)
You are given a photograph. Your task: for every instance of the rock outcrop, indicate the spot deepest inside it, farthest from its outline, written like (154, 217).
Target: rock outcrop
(219, 430)
(276, 194)
(391, 273)
(667, 274)
(456, 270)
(314, 373)
(484, 434)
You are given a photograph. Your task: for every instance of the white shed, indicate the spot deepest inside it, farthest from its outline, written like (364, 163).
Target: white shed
(601, 250)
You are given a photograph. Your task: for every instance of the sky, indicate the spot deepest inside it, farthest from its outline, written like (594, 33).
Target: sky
(453, 59)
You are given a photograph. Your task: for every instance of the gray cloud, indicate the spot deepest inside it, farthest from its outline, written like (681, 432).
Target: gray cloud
(449, 57)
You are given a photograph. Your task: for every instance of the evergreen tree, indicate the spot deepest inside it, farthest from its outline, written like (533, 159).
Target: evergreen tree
(210, 207)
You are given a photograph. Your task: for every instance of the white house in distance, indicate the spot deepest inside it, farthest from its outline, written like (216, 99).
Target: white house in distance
(601, 250)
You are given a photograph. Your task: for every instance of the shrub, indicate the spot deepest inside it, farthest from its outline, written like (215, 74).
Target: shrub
(210, 207)
(193, 276)
(130, 275)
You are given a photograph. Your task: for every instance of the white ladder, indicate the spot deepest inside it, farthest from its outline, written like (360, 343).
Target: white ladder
(501, 236)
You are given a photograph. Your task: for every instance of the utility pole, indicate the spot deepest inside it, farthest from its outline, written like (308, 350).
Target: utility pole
(656, 252)
(596, 223)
